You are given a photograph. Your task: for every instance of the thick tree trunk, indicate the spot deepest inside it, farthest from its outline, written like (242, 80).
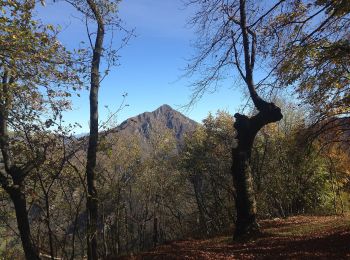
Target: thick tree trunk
(245, 201)
(247, 128)
(19, 200)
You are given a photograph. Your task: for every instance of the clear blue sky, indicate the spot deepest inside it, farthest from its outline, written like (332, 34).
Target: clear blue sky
(150, 65)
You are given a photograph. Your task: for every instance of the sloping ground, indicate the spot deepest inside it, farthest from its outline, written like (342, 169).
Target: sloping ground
(302, 237)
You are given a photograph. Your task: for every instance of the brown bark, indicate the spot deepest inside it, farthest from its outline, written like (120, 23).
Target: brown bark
(92, 198)
(48, 224)
(247, 128)
(155, 231)
(196, 182)
(19, 200)
(14, 187)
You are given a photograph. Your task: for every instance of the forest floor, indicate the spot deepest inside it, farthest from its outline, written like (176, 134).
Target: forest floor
(301, 237)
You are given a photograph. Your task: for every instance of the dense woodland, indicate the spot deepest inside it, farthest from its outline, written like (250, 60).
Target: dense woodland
(124, 189)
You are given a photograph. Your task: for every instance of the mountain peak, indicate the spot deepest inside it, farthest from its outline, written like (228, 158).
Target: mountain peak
(164, 108)
(164, 117)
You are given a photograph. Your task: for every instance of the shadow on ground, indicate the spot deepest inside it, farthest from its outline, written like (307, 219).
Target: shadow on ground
(294, 238)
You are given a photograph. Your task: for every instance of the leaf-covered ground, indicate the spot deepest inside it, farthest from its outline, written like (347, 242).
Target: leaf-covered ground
(301, 237)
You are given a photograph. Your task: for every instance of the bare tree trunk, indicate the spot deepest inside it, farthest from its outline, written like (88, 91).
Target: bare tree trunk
(155, 231)
(92, 198)
(196, 182)
(15, 190)
(104, 230)
(48, 224)
(19, 200)
(247, 128)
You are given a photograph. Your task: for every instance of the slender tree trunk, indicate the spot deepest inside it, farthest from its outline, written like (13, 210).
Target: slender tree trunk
(92, 198)
(155, 231)
(48, 224)
(196, 182)
(16, 189)
(104, 230)
(19, 200)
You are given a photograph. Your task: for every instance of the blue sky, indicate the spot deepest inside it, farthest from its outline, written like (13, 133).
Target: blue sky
(150, 65)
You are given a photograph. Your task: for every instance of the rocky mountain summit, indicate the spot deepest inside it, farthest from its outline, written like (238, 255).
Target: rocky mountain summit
(162, 119)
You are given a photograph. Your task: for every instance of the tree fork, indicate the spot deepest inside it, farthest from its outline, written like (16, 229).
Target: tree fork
(247, 128)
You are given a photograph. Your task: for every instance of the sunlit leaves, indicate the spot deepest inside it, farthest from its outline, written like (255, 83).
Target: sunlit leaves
(31, 50)
(41, 69)
(315, 61)
(37, 75)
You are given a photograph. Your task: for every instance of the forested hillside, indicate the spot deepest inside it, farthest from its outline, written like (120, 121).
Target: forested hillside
(264, 175)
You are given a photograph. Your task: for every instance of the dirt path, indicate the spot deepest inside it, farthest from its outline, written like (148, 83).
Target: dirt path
(301, 237)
